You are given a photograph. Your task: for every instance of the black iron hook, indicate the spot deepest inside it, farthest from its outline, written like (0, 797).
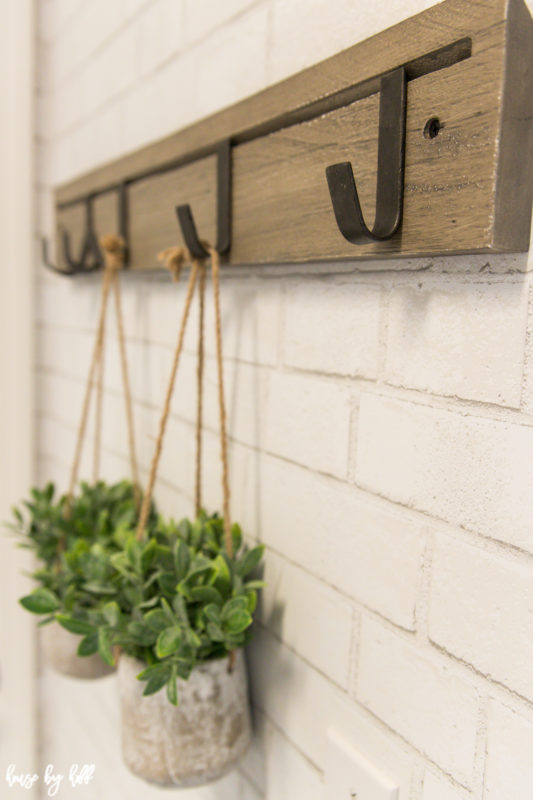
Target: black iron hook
(390, 176)
(90, 246)
(185, 217)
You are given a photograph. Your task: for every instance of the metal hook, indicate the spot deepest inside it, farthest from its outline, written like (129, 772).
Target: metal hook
(185, 217)
(89, 247)
(390, 177)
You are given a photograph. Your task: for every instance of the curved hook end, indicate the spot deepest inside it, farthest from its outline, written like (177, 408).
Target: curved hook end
(189, 232)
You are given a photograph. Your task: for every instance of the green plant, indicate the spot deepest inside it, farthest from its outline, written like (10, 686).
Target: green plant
(74, 546)
(178, 599)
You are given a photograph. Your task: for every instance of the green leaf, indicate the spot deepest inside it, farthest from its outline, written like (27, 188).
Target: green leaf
(141, 634)
(179, 606)
(237, 621)
(155, 676)
(88, 645)
(206, 594)
(153, 670)
(236, 536)
(184, 530)
(171, 617)
(250, 560)
(111, 612)
(40, 601)
(148, 554)
(223, 579)
(73, 625)
(215, 632)
(252, 601)
(133, 551)
(167, 583)
(105, 646)
(168, 641)
(156, 620)
(212, 612)
(155, 684)
(235, 604)
(98, 588)
(172, 687)
(254, 585)
(182, 559)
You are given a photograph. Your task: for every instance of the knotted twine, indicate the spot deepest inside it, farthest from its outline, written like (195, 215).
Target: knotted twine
(174, 259)
(114, 250)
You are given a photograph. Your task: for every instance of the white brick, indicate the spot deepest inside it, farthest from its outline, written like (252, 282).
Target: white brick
(49, 387)
(364, 549)
(324, 29)
(250, 320)
(509, 766)
(420, 699)
(232, 63)
(161, 33)
(333, 327)
(301, 611)
(278, 674)
(472, 471)
(439, 789)
(481, 608)
(89, 29)
(163, 104)
(50, 469)
(465, 340)
(246, 395)
(309, 422)
(203, 16)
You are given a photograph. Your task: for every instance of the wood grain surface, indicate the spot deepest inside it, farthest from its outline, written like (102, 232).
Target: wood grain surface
(467, 190)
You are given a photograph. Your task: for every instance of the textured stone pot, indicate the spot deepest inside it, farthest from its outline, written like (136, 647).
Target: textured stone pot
(195, 742)
(61, 651)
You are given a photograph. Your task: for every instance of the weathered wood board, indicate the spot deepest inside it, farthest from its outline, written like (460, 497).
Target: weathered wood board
(468, 190)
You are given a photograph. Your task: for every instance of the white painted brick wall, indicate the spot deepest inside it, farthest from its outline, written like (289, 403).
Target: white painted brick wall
(381, 433)
(446, 339)
(509, 769)
(420, 698)
(481, 610)
(469, 469)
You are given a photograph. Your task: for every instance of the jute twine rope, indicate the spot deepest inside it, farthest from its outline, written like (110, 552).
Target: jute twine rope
(174, 258)
(145, 507)
(215, 270)
(200, 381)
(106, 283)
(114, 250)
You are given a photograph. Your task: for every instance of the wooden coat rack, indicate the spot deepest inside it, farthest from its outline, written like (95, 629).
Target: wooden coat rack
(426, 127)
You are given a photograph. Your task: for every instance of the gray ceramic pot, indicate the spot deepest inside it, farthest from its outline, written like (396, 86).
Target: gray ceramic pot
(195, 742)
(61, 651)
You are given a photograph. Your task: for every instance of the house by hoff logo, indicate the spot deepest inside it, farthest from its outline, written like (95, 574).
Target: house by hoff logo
(77, 776)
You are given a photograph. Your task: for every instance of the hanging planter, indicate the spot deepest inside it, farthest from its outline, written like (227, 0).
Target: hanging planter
(196, 742)
(75, 537)
(181, 615)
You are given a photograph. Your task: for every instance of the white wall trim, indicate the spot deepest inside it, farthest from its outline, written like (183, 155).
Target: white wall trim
(18, 706)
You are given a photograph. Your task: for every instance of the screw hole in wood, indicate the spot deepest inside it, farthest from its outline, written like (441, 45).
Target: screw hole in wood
(432, 128)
